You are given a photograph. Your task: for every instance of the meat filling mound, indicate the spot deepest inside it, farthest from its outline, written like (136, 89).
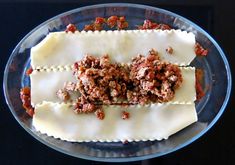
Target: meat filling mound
(153, 80)
(101, 82)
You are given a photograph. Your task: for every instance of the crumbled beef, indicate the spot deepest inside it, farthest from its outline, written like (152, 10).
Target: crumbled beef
(70, 86)
(154, 78)
(99, 20)
(26, 100)
(100, 80)
(142, 73)
(163, 26)
(98, 24)
(83, 106)
(113, 21)
(125, 115)
(145, 80)
(152, 25)
(169, 50)
(122, 23)
(100, 114)
(199, 50)
(29, 71)
(71, 28)
(63, 95)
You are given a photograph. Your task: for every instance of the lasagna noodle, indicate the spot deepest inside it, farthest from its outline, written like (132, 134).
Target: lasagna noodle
(60, 48)
(154, 122)
(45, 84)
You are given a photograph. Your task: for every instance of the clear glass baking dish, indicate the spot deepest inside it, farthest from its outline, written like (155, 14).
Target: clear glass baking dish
(216, 83)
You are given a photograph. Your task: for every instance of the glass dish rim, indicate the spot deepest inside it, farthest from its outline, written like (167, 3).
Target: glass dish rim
(222, 109)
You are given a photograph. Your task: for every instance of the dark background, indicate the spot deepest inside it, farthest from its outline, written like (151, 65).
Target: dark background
(18, 17)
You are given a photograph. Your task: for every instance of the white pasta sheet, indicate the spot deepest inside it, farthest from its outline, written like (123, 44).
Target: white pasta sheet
(155, 122)
(45, 84)
(60, 48)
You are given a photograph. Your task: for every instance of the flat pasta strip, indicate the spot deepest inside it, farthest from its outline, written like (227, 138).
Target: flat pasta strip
(155, 122)
(186, 93)
(45, 84)
(60, 48)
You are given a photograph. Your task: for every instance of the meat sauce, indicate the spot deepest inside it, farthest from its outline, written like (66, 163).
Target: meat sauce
(26, 100)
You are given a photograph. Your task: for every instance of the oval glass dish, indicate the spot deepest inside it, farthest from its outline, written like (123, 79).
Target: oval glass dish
(216, 83)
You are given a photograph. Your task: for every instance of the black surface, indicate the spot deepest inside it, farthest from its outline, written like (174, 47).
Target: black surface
(18, 147)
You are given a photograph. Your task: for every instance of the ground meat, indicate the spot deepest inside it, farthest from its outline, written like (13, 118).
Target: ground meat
(99, 20)
(63, 95)
(88, 28)
(113, 22)
(152, 25)
(70, 86)
(122, 23)
(163, 26)
(83, 106)
(100, 114)
(125, 115)
(98, 24)
(26, 100)
(146, 79)
(154, 79)
(71, 28)
(142, 73)
(29, 71)
(199, 50)
(169, 50)
(100, 80)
